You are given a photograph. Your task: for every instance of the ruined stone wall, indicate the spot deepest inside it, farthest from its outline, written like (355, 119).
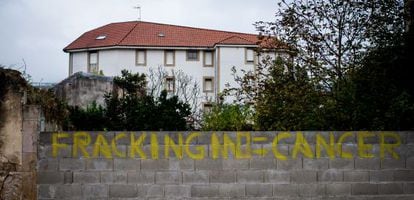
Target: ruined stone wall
(81, 89)
(226, 165)
(18, 155)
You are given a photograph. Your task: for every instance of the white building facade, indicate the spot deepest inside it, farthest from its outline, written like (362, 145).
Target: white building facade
(206, 55)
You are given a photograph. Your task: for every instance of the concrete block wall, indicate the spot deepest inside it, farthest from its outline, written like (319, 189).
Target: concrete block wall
(259, 176)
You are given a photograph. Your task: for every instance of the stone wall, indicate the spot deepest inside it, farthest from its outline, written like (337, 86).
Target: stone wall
(221, 165)
(81, 89)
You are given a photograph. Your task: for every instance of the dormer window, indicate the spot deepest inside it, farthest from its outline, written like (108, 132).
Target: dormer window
(101, 37)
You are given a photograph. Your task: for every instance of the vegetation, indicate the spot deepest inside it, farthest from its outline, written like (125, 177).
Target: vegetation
(228, 117)
(350, 70)
(131, 108)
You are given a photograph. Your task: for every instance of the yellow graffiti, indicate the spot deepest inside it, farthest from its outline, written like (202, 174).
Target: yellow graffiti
(224, 145)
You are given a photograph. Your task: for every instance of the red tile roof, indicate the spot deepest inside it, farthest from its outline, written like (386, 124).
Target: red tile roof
(139, 33)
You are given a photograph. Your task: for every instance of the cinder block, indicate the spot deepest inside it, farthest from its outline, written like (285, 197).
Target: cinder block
(123, 191)
(68, 177)
(141, 177)
(47, 165)
(300, 153)
(66, 191)
(285, 190)
(367, 163)
(289, 164)
(170, 177)
(390, 188)
(410, 163)
(177, 165)
(341, 163)
(50, 177)
(150, 191)
(222, 176)
(311, 190)
(154, 165)
(72, 164)
(409, 188)
(303, 176)
(231, 190)
(277, 176)
(46, 152)
(99, 164)
(204, 190)
(196, 177)
(315, 164)
(263, 163)
(177, 191)
(95, 190)
(364, 189)
(252, 176)
(86, 177)
(338, 189)
(209, 164)
(127, 164)
(356, 176)
(330, 175)
(259, 190)
(114, 177)
(381, 176)
(404, 175)
(46, 191)
(232, 164)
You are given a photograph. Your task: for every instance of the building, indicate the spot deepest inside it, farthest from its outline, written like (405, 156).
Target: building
(204, 54)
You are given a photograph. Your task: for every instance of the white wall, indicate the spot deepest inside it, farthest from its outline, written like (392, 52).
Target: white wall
(79, 62)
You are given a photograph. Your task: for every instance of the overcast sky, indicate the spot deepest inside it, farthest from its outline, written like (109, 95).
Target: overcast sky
(38, 30)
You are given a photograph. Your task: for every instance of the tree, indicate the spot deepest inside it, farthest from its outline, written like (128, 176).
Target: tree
(228, 117)
(331, 36)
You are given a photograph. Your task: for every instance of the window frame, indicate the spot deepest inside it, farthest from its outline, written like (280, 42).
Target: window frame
(137, 57)
(187, 58)
(204, 84)
(207, 104)
(167, 78)
(246, 54)
(165, 58)
(204, 58)
(89, 61)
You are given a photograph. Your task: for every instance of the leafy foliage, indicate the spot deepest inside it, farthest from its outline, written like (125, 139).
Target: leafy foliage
(131, 108)
(228, 117)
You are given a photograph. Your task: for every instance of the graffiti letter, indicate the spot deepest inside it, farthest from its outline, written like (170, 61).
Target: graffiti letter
(81, 140)
(136, 146)
(239, 153)
(389, 147)
(364, 148)
(321, 142)
(301, 145)
(154, 146)
(201, 150)
(339, 147)
(276, 140)
(178, 149)
(55, 143)
(215, 145)
(101, 145)
(113, 144)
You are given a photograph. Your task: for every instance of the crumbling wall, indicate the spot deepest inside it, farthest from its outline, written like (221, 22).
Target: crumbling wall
(81, 89)
(19, 127)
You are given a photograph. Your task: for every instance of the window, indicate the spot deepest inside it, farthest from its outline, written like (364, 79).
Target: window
(207, 107)
(170, 84)
(70, 64)
(249, 55)
(192, 55)
(208, 58)
(93, 62)
(141, 57)
(169, 58)
(208, 84)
